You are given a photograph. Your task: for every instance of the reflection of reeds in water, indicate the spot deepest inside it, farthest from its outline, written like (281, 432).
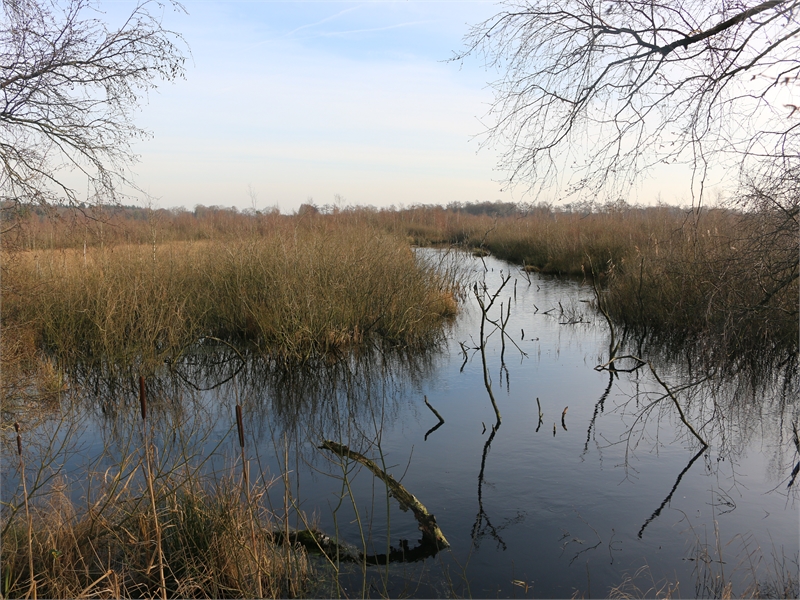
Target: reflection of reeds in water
(151, 523)
(736, 569)
(218, 524)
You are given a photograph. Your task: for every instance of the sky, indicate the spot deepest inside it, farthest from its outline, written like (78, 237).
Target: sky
(291, 102)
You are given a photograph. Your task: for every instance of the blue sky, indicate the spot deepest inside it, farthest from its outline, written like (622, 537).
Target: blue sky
(299, 100)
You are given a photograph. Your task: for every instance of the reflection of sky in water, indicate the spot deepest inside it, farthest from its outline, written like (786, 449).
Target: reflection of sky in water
(559, 511)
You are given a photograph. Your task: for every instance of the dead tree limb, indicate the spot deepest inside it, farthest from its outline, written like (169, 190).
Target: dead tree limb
(433, 410)
(678, 406)
(427, 522)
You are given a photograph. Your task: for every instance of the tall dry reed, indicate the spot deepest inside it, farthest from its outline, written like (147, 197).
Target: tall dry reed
(296, 292)
(144, 518)
(207, 545)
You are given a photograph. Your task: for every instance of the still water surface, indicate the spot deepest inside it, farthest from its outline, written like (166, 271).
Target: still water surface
(619, 488)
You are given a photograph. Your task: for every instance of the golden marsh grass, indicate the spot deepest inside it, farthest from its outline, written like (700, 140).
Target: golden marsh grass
(295, 293)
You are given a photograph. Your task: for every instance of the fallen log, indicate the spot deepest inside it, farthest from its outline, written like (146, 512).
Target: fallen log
(431, 534)
(317, 542)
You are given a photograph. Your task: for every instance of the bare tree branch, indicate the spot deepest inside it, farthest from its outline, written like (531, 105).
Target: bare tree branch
(593, 93)
(69, 85)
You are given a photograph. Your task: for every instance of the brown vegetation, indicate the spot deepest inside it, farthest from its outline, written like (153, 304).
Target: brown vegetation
(294, 289)
(109, 553)
(323, 279)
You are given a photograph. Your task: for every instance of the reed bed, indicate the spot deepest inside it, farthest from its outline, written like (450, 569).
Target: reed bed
(295, 292)
(207, 546)
(144, 518)
(321, 280)
(726, 281)
(566, 244)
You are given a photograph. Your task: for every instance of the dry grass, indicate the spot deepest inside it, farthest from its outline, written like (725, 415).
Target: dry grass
(295, 293)
(109, 550)
(138, 283)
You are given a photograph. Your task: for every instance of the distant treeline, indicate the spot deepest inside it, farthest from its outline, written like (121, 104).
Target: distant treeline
(74, 226)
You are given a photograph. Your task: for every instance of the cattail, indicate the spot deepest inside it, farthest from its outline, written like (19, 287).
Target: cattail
(19, 438)
(142, 398)
(239, 425)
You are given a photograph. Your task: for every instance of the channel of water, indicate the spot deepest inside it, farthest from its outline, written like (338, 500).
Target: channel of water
(597, 485)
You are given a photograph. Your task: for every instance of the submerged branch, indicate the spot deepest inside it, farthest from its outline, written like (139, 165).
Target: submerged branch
(678, 406)
(427, 522)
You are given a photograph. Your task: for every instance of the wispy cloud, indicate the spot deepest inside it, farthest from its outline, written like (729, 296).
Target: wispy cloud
(311, 25)
(368, 30)
(325, 20)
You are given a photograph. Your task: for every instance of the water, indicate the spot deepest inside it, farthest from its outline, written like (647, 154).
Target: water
(618, 490)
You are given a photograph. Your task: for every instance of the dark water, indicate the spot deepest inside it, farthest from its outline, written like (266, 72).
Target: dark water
(618, 491)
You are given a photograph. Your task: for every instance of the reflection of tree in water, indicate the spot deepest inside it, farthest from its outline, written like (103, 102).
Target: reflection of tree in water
(729, 407)
(483, 525)
(733, 409)
(599, 407)
(657, 512)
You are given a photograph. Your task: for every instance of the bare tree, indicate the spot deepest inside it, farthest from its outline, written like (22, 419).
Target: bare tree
(69, 85)
(606, 89)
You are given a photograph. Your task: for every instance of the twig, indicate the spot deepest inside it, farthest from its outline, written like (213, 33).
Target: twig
(433, 410)
(678, 406)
